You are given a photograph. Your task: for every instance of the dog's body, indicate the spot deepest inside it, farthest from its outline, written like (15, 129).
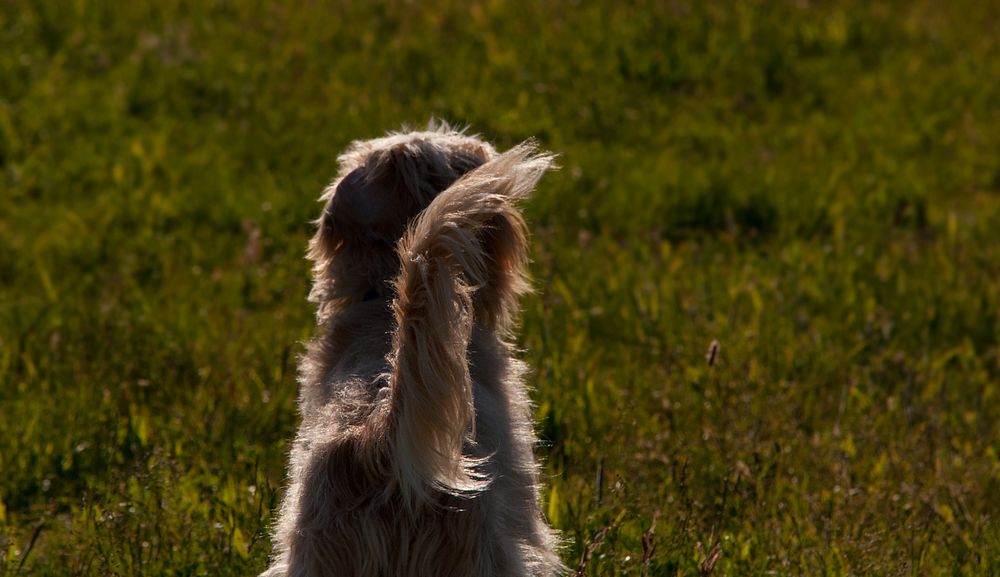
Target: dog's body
(414, 456)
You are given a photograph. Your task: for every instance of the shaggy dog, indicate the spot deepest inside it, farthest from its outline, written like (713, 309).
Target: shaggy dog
(414, 456)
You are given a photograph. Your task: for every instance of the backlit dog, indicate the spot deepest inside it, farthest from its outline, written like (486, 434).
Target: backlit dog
(414, 455)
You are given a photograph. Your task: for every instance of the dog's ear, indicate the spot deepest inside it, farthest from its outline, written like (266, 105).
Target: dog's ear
(505, 243)
(358, 200)
(333, 228)
(367, 207)
(353, 245)
(504, 239)
(323, 248)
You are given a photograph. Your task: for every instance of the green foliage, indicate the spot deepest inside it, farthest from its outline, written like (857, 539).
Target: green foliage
(814, 185)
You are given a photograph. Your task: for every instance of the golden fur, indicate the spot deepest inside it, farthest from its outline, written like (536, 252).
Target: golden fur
(414, 455)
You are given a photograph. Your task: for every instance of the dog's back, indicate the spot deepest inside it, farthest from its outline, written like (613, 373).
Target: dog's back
(414, 456)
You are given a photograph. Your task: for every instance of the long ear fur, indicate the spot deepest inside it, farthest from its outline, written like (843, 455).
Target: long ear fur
(463, 261)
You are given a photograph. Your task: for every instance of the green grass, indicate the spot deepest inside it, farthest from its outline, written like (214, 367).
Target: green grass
(814, 185)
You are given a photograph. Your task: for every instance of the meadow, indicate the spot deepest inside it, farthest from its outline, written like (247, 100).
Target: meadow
(814, 187)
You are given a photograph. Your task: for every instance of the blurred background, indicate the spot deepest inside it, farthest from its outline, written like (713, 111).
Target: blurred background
(813, 186)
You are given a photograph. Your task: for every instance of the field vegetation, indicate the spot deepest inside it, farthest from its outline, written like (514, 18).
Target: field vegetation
(814, 187)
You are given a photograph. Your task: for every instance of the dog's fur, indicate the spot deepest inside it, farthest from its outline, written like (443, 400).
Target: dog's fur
(414, 456)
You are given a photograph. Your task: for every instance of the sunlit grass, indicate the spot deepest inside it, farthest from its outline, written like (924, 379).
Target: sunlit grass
(812, 185)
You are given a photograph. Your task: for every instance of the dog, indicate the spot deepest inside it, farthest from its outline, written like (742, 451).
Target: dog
(414, 454)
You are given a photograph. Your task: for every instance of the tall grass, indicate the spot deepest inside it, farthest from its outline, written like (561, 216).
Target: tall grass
(813, 186)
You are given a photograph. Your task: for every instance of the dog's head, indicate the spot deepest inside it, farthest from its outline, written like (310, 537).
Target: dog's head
(383, 184)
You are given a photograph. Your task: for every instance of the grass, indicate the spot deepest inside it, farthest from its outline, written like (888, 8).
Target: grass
(815, 186)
